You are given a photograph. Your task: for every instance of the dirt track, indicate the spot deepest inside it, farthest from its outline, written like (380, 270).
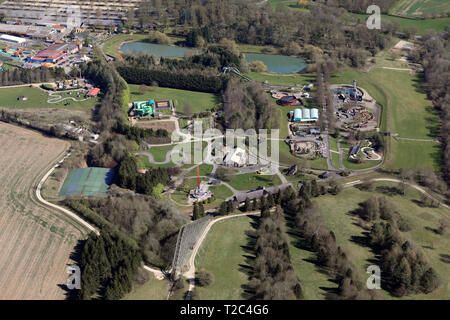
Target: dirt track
(35, 243)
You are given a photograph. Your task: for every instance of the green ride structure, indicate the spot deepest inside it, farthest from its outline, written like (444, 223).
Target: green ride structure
(144, 108)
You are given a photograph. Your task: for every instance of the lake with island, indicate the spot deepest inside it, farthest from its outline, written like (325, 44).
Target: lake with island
(275, 63)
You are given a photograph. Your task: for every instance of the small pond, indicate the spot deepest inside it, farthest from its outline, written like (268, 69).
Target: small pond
(278, 63)
(158, 50)
(275, 63)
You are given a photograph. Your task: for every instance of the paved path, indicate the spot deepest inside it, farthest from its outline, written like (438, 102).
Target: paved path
(420, 189)
(56, 97)
(63, 210)
(398, 69)
(419, 140)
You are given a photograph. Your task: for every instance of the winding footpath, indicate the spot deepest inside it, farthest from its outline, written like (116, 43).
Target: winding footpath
(54, 206)
(414, 186)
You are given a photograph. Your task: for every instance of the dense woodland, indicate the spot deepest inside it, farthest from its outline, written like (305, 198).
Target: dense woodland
(113, 87)
(24, 76)
(108, 265)
(151, 223)
(150, 183)
(245, 21)
(436, 61)
(246, 105)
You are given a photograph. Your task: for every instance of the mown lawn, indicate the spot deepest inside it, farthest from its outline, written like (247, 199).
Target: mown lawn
(152, 290)
(438, 24)
(37, 98)
(414, 154)
(223, 255)
(408, 8)
(204, 170)
(198, 101)
(412, 113)
(249, 181)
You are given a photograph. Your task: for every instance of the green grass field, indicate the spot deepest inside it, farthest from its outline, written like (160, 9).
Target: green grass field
(438, 24)
(152, 290)
(199, 101)
(415, 8)
(414, 154)
(221, 192)
(412, 113)
(249, 181)
(336, 215)
(37, 98)
(204, 170)
(223, 256)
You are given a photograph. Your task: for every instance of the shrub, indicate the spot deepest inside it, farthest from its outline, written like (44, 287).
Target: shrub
(203, 278)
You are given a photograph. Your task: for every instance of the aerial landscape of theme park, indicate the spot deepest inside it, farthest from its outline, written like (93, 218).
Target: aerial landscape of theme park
(174, 155)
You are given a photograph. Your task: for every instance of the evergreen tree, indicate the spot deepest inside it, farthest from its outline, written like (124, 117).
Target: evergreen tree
(195, 211)
(223, 208)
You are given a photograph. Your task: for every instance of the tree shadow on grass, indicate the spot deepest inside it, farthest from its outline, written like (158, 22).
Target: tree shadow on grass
(75, 255)
(445, 258)
(247, 268)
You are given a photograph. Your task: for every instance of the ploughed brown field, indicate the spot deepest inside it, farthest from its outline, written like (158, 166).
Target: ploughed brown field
(168, 125)
(35, 242)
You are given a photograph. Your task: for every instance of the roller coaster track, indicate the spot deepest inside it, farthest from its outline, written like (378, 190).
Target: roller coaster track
(236, 71)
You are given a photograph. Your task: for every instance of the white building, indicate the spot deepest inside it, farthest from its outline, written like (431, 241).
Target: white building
(12, 39)
(236, 157)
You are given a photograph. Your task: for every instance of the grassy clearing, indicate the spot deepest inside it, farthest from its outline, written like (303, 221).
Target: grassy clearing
(438, 24)
(199, 101)
(249, 181)
(224, 256)
(152, 290)
(221, 192)
(412, 113)
(314, 281)
(159, 153)
(37, 98)
(204, 169)
(336, 213)
(414, 154)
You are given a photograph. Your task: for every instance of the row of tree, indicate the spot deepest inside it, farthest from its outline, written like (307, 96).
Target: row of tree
(151, 182)
(193, 80)
(436, 61)
(273, 277)
(18, 76)
(142, 134)
(105, 76)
